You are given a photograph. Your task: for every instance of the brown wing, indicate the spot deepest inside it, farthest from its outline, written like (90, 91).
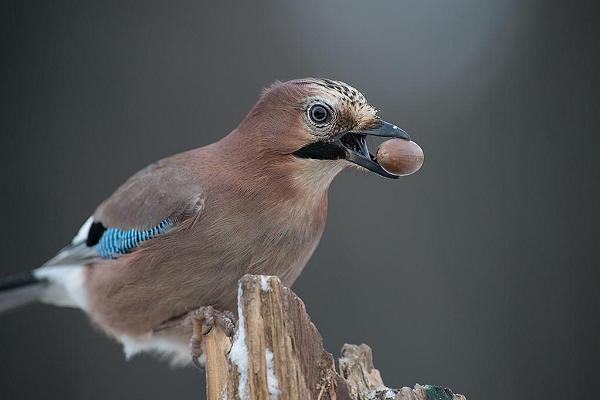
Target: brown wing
(165, 189)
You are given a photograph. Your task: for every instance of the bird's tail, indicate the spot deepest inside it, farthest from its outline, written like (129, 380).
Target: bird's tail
(20, 289)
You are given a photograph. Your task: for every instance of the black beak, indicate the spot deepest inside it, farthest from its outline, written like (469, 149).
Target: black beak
(352, 146)
(385, 129)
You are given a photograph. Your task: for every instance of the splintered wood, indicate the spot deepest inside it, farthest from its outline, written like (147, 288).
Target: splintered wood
(277, 353)
(356, 366)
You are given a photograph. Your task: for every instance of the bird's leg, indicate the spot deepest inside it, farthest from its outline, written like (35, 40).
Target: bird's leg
(203, 320)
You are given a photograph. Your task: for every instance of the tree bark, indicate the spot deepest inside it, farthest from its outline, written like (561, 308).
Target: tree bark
(277, 353)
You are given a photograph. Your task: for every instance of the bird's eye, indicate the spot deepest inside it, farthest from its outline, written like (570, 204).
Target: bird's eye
(318, 113)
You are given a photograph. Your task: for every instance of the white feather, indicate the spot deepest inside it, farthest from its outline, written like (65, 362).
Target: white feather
(82, 234)
(177, 352)
(67, 285)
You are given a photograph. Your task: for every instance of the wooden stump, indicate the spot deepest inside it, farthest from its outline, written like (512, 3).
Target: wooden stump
(277, 353)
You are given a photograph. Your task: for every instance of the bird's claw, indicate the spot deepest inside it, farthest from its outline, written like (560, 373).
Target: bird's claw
(203, 321)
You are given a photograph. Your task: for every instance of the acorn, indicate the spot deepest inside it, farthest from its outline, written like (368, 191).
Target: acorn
(399, 157)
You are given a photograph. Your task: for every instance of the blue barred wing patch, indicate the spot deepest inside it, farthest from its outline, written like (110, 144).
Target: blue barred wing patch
(116, 241)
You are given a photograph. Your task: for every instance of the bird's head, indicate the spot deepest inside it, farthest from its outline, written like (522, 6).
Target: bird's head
(318, 119)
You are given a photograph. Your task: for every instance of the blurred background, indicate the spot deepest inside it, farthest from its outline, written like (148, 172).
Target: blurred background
(478, 273)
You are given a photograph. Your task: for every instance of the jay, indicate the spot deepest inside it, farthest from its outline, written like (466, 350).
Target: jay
(174, 239)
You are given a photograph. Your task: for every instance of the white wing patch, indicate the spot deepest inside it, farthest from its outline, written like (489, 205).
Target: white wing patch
(82, 234)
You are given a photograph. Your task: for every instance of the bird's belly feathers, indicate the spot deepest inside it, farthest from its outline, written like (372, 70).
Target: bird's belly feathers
(197, 266)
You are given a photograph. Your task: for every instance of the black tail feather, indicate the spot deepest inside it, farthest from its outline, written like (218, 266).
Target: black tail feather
(19, 289)
(18, 280)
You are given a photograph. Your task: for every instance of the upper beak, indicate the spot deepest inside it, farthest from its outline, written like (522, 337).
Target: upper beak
(385, 129)
(352, 146)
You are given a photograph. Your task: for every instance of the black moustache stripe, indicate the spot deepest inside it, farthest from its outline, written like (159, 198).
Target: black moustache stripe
(320, 151)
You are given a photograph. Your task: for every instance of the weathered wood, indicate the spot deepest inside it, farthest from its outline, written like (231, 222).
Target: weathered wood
(277, 353)
(356, 366)
(216, 350)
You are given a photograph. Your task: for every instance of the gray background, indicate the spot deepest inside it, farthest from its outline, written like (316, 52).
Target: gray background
(479, 272)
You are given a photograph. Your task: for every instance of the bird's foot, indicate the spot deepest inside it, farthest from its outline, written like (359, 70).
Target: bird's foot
(203, 320)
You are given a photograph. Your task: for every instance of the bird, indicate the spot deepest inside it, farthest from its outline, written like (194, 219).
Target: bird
(175, 238)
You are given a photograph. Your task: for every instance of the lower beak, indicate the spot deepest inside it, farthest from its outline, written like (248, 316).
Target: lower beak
(352, 146)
